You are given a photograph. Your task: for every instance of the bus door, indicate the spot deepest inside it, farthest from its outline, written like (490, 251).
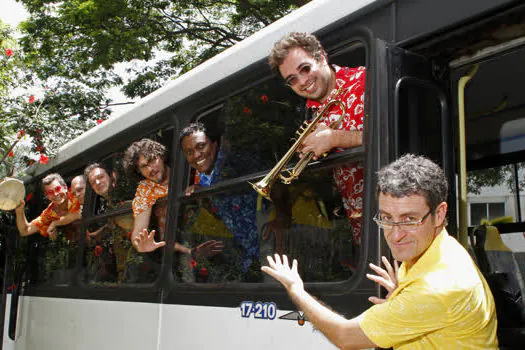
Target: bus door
(414, 113)
(494, 142)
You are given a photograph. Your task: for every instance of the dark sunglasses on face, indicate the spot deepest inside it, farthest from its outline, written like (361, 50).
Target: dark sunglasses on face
(304, 70)
(55, 191)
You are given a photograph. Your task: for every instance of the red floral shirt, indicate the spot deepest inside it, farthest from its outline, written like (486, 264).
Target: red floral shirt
(349, 177)
(49, 214)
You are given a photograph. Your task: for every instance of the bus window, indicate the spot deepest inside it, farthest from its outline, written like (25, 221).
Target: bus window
(256, 126)
(111, 184)
(119, 196)
(309, 220)
(110, 258)
(50, 261)
(306, 220)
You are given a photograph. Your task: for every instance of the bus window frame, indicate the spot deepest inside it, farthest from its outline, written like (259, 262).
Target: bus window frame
(172, 123)
(362, 38)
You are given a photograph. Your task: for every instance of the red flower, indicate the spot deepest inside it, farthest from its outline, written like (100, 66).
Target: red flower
(128, 234)
(213, 210)
(38, 149)
(38, 131)
(31, 99)
(247, 110)
(8, 52)
(21, 133)
(264, 98)
(97, 251)
(43, 159)
(121, 203)
(29, 196)
(99, 121)
(204, 272)
(192, 263)
(10, 154)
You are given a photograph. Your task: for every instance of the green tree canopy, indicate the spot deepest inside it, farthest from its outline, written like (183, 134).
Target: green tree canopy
(37, 116)
(54, 82)
(79, 38)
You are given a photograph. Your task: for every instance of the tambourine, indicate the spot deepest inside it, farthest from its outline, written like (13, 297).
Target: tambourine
(12, 191)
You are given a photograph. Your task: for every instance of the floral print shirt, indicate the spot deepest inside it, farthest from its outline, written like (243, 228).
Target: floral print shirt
(349, 178)
(49, 214)
(147, 194)
(237, 211)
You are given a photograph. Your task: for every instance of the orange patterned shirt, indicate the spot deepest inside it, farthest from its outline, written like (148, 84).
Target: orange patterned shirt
(49, 214)
(148, 192)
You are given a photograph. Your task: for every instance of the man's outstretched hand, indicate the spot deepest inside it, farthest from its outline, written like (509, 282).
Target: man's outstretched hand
(145, 242)
(279, 269)
(386, 278)
(209, 249)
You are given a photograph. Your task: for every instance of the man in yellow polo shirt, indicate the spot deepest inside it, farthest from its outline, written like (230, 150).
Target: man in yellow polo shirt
(439, 300)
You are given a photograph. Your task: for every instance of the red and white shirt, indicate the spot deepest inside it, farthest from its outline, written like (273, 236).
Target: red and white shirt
(349, 178)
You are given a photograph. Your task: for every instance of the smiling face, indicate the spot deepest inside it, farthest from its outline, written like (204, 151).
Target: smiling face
(56, 192)
(153, 169)
(408, 246)
(78, 188)
(308, 78)
(100, 181)
(200, 152)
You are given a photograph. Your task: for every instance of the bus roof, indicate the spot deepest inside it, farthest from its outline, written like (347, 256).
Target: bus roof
(311, 17)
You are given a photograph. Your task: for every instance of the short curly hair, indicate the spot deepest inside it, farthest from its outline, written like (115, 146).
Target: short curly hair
(147, 148)
(306, 41)
(198, 127)
(52, 177)
(413, 175)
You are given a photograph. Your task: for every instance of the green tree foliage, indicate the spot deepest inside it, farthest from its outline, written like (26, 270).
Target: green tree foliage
(54, 81)
(490, 177)
(37, 116)
(497, 176)
(78, 38)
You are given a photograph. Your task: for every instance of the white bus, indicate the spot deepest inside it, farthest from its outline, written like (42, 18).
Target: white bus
(79, 293)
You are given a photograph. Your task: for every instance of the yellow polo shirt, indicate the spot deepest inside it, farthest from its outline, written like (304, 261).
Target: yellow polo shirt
(441, 302)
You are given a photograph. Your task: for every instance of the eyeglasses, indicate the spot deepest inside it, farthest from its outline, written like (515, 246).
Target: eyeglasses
(304, 70)
(403, 225)
(150, 163)
(55, 191)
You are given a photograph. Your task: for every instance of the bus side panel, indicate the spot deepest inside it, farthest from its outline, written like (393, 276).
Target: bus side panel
(223, 328)
(80, 324)
(7, 344)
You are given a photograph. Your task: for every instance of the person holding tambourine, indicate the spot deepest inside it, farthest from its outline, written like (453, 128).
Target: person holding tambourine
(63, 209)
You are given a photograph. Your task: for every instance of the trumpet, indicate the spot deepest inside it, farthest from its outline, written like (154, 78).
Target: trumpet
(264, 186)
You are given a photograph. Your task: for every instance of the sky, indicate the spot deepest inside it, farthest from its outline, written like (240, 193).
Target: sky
(13, 13)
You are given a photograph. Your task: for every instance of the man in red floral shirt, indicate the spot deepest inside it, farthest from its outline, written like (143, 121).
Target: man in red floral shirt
(302, 62)
(63, 209)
